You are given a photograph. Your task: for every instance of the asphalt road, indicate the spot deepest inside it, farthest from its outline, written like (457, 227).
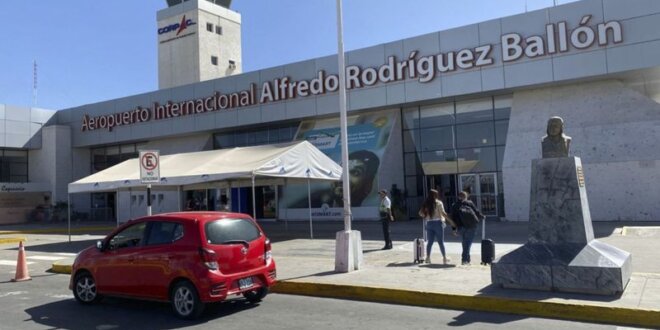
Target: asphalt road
(46, 303)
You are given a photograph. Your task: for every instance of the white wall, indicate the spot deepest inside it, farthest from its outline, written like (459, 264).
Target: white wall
(615, 131)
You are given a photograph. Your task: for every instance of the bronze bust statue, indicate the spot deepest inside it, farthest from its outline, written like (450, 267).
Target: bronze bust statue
(555, 144)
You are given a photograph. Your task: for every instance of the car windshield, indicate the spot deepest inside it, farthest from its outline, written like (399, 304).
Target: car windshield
(231, 231)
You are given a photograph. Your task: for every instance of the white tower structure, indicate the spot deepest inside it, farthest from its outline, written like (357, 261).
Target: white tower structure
(197, 40)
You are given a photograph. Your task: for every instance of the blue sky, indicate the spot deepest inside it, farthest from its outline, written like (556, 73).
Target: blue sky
(91, 51)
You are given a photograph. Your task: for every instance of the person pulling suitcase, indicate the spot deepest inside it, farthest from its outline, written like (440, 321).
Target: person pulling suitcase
(435, 220)
(466, 216)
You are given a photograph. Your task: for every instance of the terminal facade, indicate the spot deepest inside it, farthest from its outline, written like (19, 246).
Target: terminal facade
(460, 109)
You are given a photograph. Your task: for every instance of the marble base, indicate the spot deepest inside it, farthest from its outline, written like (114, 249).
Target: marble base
(561, 253)
(594, 268)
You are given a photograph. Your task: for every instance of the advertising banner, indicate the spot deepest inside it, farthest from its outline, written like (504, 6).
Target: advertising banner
(368, 136)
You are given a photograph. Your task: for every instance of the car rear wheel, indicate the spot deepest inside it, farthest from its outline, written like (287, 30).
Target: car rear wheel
(84, 288)
(257, 295)
(185, 301)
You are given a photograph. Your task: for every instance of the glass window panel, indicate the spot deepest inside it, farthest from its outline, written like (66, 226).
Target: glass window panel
(224, 141)
(474, 110)
(112, 150)
(475, 135)
(437, 115)
(411, 163)
(99, 166)
(437, 138)
(409, 140)
(501, 128)
(260, 137)
(414, 186)
(15, 156)
(18, 178)
(503, 106)
(439, 162)
(476, 160)
(140, 146)
(128, 149)
(18, 169)
(411, 118)
(500, 157)
(240, 139)
(112, 156)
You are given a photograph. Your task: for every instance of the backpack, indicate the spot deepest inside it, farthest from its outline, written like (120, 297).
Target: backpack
(467, 215)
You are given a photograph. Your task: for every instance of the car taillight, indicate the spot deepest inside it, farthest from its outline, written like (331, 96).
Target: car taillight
(209, 258)
(268, 255)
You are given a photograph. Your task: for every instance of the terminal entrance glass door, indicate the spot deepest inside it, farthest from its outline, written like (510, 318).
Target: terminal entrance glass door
(482, 188)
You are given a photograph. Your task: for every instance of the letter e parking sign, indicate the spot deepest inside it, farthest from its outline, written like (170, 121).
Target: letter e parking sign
(149, 166)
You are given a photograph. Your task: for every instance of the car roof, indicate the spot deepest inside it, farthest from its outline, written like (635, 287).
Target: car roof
(202, 216)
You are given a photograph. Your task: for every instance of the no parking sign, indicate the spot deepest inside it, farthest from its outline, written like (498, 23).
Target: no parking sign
(149, 166)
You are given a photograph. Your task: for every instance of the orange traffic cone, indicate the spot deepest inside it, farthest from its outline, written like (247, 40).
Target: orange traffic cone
(21, 266)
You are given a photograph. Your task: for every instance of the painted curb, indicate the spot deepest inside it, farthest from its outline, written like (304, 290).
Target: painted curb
(57, 230)
(61, 268)
(567, 311)
(10, 240)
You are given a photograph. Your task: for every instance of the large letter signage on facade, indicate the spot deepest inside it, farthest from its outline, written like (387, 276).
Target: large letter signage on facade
(558, 39)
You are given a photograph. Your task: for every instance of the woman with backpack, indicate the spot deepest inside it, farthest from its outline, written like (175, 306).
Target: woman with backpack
(466, 216)
(433, 213)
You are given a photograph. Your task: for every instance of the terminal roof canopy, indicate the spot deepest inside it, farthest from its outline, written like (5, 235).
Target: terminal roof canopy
(296, 160)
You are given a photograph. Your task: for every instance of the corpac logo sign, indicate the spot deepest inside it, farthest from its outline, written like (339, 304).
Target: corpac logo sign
(178, 27)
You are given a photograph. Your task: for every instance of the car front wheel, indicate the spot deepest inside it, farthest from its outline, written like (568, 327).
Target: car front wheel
(257, 295)
(185, 301)
(84, 288)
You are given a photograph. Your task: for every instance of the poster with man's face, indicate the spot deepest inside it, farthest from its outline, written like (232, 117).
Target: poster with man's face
(368, 136)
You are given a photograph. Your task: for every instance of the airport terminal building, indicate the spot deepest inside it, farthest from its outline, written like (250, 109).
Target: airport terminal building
(460, 109)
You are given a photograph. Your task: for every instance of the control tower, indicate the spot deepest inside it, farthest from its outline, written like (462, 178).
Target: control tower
(197, 40)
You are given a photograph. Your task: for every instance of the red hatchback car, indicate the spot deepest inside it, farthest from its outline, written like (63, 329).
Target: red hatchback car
(186, 258)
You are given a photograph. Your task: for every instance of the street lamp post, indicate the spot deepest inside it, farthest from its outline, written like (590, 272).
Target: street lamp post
(348, 247)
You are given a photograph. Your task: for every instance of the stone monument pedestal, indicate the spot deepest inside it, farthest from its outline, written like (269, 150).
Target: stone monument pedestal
(561, 253)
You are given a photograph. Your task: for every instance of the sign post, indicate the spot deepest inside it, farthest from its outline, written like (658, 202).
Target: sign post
(149, 171)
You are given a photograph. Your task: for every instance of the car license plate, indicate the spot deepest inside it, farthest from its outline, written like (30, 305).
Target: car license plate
(245, 283)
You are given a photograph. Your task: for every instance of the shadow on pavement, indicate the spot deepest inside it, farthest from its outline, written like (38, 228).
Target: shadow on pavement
(437, 266)
(470, 318)
(62, 247)
(330, 272)
(117, 313)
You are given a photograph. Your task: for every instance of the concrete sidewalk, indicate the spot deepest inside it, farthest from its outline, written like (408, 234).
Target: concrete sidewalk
(306, 267)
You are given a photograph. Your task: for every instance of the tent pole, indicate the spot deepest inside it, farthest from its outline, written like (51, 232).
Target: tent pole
(254, 200)
(179, 188)
(309, 207)
(286, 219)
(68, 196)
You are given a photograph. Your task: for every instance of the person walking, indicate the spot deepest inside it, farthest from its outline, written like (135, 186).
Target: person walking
(435, 218)
(385, 210)
(466, 216)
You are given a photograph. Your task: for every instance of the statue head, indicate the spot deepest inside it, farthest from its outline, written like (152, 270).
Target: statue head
(555, 127)
(555, 143)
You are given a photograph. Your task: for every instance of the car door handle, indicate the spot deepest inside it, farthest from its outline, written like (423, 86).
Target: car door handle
(131, 259)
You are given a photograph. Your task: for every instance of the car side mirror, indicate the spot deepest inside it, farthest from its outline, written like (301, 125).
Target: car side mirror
(99, 245)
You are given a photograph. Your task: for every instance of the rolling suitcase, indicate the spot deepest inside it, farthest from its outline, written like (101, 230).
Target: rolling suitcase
(419, 247)
(487, 246)
(419, 250)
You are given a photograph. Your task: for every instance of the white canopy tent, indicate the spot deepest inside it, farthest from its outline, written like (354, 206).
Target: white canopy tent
(297, 161)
